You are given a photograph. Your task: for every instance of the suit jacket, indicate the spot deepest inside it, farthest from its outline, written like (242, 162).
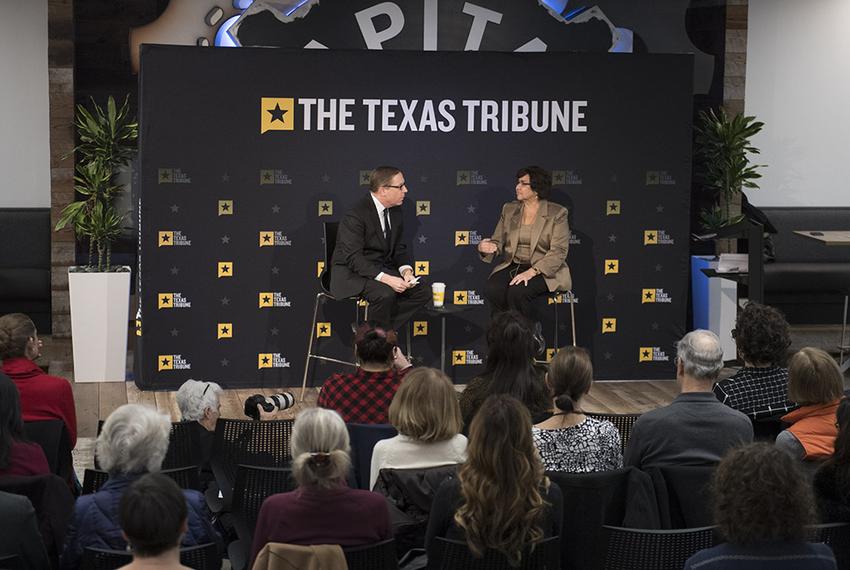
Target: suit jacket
(19, 533)
(550, 240)
(361, 251)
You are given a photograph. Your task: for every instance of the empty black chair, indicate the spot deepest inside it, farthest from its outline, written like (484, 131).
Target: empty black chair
(623, 423)
(623, 497)
(456, 556)
(837, 537)
(684, 495)
(53, 437)
(638, 549)
(363, 439)
(201, 557)
(185, 477)
(252, 486)
(248, 442)
(378, 556)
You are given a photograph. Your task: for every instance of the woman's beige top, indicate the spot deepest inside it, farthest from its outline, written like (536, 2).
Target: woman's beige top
(523, 246)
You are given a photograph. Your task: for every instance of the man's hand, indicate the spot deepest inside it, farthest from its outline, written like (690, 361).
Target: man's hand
(399, 359)
(264, 415)
(486, 246)
(409, 278)
(397, 284)
(524, 277)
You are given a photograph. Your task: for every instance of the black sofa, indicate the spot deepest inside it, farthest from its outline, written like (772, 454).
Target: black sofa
(808, 280)
(25, 264)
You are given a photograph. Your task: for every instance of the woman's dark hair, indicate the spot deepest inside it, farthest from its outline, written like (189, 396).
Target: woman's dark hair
(761, 495)
(16, 329)
(510, 358)
(152, 513)
(541, 180)
(375, 344)
(840, 459)
(762, 335)
(570, 377)
(502, 483)
(11, 424)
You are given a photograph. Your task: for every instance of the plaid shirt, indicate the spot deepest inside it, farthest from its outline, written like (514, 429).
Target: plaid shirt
(757, 392)
(362, 397)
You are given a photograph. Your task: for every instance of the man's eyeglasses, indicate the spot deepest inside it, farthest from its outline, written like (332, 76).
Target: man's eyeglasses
(397, 187)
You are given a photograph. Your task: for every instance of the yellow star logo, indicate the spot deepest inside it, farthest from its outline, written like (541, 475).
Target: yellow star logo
(420, 328)
(645, 354)
(612, 208)
(326, 208)
(165, 301)
(459, 298)
(225, 269)
(266, 239)
(264, 360)
(423, 207)
(266, 299)
(277, 114)
(224, 330)
(462, 237)
(320, 266)
(323, 329)
(647, 296)
(421, 268)
(225, 207)
(165, 239)
(609, 325)
(458, 357)
(612, 266)
(650, 237)
(164, 362)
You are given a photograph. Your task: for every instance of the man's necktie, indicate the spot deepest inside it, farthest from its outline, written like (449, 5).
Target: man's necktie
(387, 224)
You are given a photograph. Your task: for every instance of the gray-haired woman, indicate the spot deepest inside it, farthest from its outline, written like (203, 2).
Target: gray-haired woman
(133, 442)
(323, 510)
(200, 403)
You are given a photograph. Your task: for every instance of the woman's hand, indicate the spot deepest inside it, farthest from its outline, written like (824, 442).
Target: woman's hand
(486, 246)
(400, 361)
(524, 277)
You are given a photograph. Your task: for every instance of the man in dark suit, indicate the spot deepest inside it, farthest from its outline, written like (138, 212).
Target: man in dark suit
(371, 258)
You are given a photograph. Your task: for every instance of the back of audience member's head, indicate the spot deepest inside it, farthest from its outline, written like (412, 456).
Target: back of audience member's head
(374, 344)
(134, 440)
(762, 335)
(700, 355)
(840, 459)
(502, 504)
(11, 424)
(570, 377)
(153, 515)
(761, 495)
(16, 332)
(510, 357)
(425, 407)
(814, 377)
(320, 448)
(195, 397)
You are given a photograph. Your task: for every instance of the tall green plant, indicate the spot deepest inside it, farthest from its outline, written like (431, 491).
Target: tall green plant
(107, 141)
(723, 149)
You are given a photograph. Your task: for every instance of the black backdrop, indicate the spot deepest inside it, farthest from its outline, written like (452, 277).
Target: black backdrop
(213, 184)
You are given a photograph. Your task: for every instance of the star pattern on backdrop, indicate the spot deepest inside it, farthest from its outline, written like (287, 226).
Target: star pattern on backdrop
(610, 296)
(225, 177)
(275, 209)
(612, 238)
(607, 356)
(470, 209)
(326, 178)
(175, 208)
(274, 331)
(423, 239)
(275, 270)
(654, 326)
(224, 362)
(175, 270)
(174, 332)
(469, 269)
(225, 301)
(225, 239)
(659, 267)
(659, 208)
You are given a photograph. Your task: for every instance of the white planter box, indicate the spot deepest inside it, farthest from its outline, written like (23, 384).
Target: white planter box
(99, 312)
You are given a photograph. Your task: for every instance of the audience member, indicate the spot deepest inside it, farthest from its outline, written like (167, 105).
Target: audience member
(426, 414)
(154, 518)
(323, 510)
(832, 480)
(762, 504)
(199, 403)
(17, 455)
(364, 396)
(760, 388)
(19, 533)
(816, 384)
(501, 500)
(43, 397)
(570, 441)
(695, 429)
(510, 369)
(133, 442)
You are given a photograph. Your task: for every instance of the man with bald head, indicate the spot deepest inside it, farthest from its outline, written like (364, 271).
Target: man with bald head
(695, 429)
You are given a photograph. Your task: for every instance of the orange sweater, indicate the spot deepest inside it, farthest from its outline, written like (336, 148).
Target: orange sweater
(814, 426)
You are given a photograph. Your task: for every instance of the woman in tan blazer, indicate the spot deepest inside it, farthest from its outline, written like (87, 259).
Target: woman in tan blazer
(532, 237)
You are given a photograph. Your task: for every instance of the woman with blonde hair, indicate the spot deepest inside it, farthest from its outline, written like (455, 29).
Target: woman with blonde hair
(501, 500)
(323, 510)
(816, 384)
(569, 440)
(426, 413)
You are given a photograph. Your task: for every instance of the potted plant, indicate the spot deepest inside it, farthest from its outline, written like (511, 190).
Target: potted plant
(723, 146)
(99, 291)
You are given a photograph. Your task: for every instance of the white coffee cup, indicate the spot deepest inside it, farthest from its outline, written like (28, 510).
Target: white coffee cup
(438, 291)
